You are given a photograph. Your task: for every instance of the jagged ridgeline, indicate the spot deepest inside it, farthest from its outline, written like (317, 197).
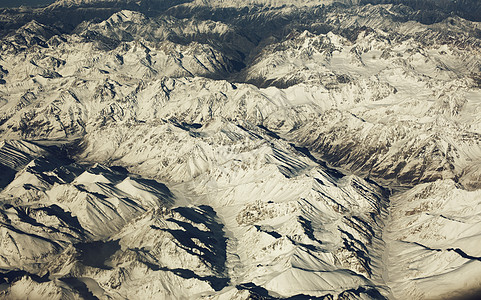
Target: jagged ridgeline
(240, 150)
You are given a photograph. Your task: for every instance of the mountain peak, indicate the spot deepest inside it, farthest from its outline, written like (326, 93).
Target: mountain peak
(127, 16)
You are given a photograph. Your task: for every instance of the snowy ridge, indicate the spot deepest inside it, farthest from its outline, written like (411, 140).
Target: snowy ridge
(450, 249)
(268, 3)
(99, 201)
(211, 3)
(78, 3)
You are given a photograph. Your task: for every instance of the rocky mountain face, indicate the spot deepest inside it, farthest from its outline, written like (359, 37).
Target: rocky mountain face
(225, 150)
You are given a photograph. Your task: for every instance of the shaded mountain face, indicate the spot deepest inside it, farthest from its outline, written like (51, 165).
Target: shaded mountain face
(436, 10)
(17, 3)
(213, 150)
(67, 14)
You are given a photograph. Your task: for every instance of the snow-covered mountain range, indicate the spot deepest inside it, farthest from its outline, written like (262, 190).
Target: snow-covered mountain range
(240, 150)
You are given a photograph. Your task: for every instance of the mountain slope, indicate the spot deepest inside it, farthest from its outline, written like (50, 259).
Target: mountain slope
(209, 151)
